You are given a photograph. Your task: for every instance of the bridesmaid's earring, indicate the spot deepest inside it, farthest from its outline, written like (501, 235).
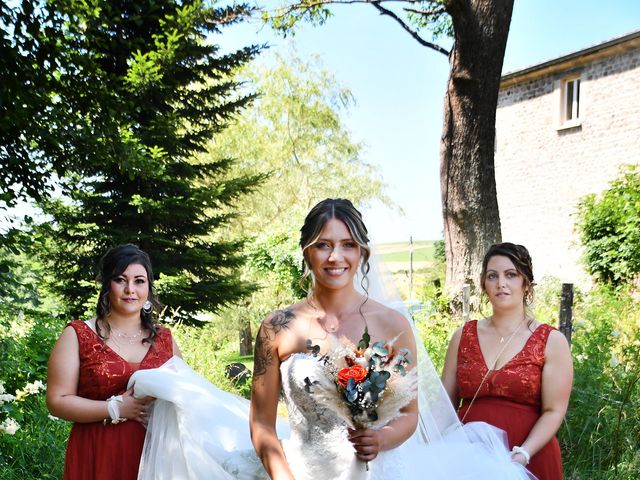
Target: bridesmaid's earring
(147, 307)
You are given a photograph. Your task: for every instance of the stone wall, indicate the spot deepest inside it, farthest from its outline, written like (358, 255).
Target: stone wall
(542, 170)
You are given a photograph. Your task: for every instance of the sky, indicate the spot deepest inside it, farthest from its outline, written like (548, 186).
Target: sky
(399, 89)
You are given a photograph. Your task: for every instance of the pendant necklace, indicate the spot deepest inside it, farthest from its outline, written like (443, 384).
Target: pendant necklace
(333, 325)
(512, 333)
(328, 327)
(131, 338)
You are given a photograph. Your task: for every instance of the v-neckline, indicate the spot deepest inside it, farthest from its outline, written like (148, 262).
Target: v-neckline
(129, 364)
(484, 360)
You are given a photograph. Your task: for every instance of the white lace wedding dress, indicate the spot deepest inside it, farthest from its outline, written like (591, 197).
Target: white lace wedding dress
(197, 432)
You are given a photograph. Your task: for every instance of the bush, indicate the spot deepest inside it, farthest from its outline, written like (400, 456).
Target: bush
(601, 434)
(32, 444)
(610, 229)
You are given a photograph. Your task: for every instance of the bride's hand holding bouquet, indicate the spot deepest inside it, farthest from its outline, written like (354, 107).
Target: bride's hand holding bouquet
(370, 386)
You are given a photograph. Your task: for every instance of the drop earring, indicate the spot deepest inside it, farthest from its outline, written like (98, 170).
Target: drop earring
(147, 307)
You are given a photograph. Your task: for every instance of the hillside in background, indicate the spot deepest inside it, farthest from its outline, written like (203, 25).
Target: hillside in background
(397, 259)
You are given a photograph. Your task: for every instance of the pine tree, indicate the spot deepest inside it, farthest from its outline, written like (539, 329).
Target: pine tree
(142, 88)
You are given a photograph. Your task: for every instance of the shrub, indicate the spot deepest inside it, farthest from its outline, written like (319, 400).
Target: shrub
(610, 229)
(600, 436)
(32, 444)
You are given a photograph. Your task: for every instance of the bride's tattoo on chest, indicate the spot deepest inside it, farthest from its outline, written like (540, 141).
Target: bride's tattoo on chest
(264, 354)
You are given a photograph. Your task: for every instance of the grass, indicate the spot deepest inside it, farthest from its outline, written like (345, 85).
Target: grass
(423, 251)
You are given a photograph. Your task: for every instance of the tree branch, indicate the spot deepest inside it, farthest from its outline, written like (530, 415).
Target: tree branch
(310, 4)
(408, 29)
(435, 11)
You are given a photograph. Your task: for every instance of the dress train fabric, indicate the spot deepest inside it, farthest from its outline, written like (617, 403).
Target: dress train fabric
(197, 431)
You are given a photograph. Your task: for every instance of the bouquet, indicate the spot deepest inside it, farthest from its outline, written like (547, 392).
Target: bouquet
(369, 384)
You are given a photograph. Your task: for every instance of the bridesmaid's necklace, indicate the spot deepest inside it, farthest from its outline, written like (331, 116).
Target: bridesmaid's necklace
(492, 368)
(131, 338)
(512, 333)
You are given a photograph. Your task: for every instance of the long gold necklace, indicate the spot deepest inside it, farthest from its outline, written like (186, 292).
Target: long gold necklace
(512, 333)
(492, 368)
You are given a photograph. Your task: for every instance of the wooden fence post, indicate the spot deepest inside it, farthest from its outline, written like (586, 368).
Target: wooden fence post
(566, 310)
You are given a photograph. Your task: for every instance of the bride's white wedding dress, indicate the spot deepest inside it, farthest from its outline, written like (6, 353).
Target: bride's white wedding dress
(197, 432)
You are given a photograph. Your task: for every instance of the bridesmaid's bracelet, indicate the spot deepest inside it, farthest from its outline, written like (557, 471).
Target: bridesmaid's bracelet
(522, 452)
(114, 410)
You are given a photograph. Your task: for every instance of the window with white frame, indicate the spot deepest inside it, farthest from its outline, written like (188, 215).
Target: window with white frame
(570, 111)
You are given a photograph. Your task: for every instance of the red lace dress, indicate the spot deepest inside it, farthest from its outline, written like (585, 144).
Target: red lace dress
(111, 452)
(510, 397)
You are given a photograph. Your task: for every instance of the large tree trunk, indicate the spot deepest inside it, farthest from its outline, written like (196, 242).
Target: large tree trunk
(468, 187)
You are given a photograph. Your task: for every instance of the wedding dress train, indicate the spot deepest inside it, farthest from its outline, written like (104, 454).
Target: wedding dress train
(197, 431)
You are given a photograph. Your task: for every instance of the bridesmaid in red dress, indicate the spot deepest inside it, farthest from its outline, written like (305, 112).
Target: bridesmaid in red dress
(509, 370)
(92, 361)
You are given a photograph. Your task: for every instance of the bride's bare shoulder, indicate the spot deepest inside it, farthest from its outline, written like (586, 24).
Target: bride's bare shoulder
(287, 318)
(391, 318)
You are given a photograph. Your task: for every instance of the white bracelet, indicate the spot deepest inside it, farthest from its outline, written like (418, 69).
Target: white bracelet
(522, 452)
(114, 409)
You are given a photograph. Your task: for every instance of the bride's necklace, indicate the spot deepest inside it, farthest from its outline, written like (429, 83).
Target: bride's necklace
(330, 326)
(131, 338)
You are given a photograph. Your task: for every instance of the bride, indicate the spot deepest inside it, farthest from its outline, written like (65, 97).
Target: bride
(197, 431)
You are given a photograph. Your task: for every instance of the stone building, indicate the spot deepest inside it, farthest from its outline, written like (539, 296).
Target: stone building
(563, 129)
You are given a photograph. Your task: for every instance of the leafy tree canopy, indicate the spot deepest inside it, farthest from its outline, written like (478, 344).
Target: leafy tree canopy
(293, 134)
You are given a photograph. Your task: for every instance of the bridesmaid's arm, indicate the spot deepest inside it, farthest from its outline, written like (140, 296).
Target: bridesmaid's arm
(557, 380)
(62, 396)
(450, 368)
(265, 393)
(62, 383)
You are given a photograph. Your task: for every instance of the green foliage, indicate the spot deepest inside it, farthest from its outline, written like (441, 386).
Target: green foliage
(294, 135)
(24, 97)
(206, 351)
(146, 89)
(439, 251)
(36, 449)
(434, 322)
(284, 19)
(432, 16)
(602, 428)
(610, 229)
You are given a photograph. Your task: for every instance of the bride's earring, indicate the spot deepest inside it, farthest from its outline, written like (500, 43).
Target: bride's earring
(147, 307)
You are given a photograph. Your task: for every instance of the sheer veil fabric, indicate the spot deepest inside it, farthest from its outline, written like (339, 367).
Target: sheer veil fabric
(197, 431)
(441, 447)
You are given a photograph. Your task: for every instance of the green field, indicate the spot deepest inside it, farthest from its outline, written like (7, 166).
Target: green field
(399, 252)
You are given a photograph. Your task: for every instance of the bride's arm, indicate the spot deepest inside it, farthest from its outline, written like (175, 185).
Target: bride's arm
(265, 393)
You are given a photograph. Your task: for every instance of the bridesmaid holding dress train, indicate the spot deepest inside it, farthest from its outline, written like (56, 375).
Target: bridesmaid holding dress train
(92, 361)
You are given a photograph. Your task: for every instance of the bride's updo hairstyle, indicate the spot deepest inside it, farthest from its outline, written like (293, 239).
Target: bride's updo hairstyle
(340, 209)
(519, 256)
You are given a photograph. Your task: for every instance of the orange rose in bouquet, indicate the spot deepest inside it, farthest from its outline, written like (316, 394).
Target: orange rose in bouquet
(357, 372)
